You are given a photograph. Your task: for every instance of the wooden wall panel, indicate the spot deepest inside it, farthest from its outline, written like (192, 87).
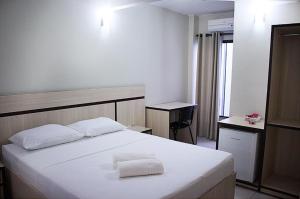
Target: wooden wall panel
(13, 124)
(24, 111)
(131, 113)
(23, 102)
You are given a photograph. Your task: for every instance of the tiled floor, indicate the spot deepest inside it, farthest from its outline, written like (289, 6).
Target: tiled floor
(204, 142)
(243, 193)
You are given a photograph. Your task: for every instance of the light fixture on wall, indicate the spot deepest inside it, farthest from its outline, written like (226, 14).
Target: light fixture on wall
(105, 13)
(105, 16)
(261, 9)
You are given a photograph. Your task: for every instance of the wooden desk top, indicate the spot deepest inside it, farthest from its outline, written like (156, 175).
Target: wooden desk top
(170, 106)
(240, 121)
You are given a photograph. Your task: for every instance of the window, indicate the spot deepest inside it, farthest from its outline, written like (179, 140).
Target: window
(225, 77)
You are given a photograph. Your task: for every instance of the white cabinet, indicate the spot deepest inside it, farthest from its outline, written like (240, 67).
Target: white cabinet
(243, 146)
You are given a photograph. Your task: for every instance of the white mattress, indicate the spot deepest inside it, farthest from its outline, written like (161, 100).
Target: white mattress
(84, 169)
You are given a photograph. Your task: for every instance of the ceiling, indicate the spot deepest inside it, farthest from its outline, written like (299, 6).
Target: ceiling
(196, 7)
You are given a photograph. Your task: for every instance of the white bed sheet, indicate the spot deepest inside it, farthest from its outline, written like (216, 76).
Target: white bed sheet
(84, 169)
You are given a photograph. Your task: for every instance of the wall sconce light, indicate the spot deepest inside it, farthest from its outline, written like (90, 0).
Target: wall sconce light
(261, 9)
(260, 16)
(105, 16)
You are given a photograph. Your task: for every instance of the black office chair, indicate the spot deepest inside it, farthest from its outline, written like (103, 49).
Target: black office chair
(185, 120)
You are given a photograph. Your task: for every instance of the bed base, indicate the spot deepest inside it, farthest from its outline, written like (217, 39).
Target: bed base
(224, 190)
(20, 190)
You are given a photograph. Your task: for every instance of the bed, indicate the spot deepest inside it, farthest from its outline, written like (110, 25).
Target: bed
(83, 169)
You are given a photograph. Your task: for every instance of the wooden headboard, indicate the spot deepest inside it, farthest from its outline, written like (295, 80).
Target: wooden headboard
(19, 112)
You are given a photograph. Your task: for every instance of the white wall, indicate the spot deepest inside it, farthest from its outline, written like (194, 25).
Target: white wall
(192, 58)
(57, 45)
(251, 53)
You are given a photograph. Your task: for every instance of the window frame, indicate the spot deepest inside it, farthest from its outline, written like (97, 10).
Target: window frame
(222, 116)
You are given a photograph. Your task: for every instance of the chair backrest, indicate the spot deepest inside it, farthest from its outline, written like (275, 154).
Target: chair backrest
(186, 114)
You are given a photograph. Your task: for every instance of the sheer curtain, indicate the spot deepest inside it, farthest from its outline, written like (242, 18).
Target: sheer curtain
(207, 85)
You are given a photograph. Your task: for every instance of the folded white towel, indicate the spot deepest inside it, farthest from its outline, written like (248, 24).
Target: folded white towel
(140, 167)
(120, 157)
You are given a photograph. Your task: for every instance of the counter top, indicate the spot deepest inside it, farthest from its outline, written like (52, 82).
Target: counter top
(240, 121)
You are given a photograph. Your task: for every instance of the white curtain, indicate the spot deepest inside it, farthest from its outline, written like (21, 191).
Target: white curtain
(207, 85)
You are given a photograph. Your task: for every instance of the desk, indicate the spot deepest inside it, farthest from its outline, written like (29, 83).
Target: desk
(159, 116)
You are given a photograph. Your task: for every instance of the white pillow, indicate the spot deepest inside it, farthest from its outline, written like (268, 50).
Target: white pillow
(98, 126)
(45, 136)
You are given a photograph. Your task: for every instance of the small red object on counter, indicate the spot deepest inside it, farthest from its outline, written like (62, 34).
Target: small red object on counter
(253, 115)
(253, 118)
